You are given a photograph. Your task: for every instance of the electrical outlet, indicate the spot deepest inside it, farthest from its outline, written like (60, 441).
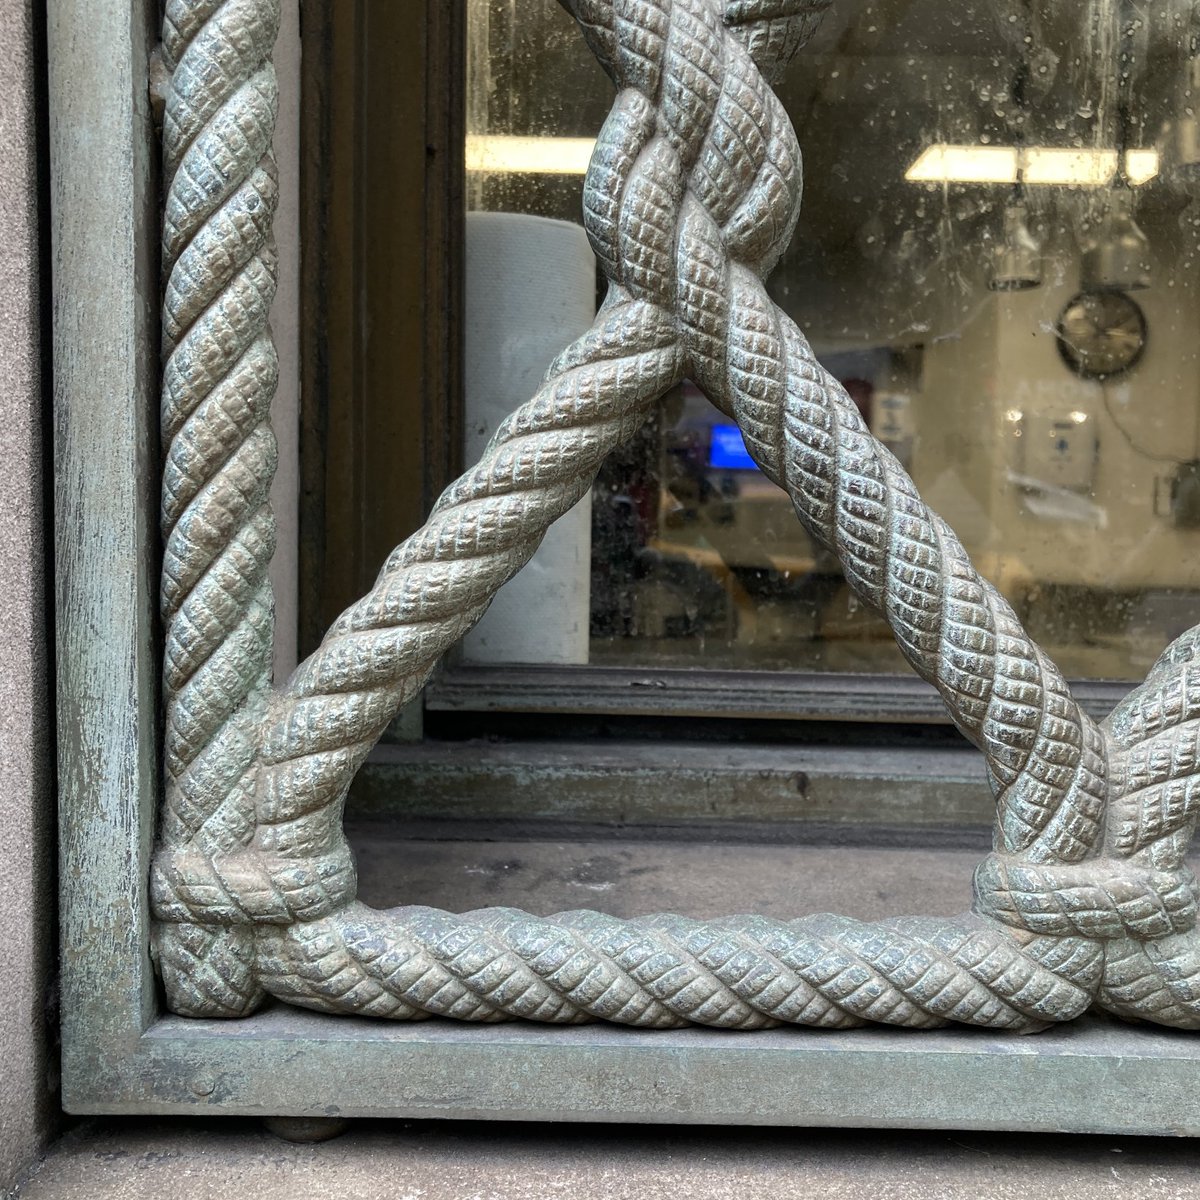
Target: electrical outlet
(1059, 450)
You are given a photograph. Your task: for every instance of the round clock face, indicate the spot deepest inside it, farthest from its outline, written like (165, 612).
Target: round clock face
(1101, 333)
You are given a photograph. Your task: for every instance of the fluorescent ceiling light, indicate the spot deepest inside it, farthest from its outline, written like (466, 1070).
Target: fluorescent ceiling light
(1141, 165)
(940, 163)
(1044, 165)
(528, 155)
(1070, 168)
(965, 164)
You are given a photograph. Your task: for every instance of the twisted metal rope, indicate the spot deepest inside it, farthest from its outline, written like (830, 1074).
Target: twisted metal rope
(691, 197)
(661, 972)
(1154, 737)
(219, 378)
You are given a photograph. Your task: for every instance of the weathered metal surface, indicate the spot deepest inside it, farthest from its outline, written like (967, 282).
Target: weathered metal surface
(103, 199)
(690, 199)
(1090, 1077)
(219, 376)
(683, 691)
(682, 785)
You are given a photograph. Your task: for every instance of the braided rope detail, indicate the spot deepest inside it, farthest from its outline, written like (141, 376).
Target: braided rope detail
(1155, 739)
(661, 972)
(219, 380)
(691, 197)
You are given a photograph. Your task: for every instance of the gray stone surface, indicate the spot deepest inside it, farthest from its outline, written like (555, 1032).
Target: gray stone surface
(124, 1161)
(27, 911)
(26, 799)
(630, 875)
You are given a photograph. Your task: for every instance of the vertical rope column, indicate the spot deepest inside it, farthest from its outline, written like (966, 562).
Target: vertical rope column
(219, 379)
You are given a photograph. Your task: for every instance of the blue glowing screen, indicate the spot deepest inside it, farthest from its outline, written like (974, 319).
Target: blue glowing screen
(727, 451)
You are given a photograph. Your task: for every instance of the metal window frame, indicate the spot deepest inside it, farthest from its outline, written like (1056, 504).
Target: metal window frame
(709, 692)
(122, 1054)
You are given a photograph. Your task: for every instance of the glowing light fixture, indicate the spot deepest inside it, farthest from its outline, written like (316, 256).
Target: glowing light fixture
(965, 164)
(1140, 166)
(1068, 168)
(940, 163)
(528, 155)
(1034, 165)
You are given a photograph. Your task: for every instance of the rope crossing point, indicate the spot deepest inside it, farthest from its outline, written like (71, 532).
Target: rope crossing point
(691, 197)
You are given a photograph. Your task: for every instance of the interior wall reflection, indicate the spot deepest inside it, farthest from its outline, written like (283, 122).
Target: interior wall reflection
(997, 256)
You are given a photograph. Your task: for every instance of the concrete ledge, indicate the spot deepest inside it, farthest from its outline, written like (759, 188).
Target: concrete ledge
(435, 1161)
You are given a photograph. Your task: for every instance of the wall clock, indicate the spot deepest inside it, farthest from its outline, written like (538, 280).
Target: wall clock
(1101, 333)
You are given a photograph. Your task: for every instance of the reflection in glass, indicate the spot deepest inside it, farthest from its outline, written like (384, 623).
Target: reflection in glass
(996, 255)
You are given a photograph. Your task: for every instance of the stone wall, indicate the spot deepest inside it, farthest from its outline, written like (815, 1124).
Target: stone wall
(27, 939)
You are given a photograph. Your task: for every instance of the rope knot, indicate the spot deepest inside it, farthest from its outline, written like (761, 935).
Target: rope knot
(1097, 898)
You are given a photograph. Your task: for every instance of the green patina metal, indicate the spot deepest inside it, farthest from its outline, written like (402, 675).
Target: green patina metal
(1085, 898)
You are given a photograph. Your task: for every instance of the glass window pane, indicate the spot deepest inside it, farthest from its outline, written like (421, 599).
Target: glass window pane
(997, 257)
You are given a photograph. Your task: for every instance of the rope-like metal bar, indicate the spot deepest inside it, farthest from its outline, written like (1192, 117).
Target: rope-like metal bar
(691, 197)
(219, 379)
